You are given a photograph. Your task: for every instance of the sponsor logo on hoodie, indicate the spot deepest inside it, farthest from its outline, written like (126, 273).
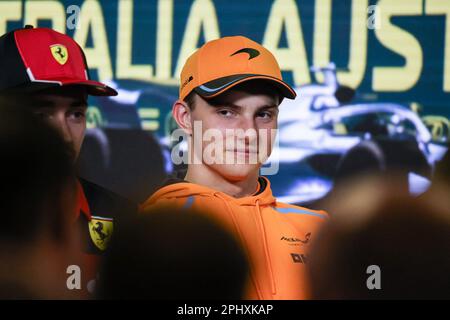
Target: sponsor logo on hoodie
(299, 258)
(297, 241)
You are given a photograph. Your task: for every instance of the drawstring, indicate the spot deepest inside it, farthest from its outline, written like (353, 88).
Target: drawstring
(236, 225)
(266, 248)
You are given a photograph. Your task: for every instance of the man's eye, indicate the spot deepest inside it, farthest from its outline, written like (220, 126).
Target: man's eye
(78, 115)
(226, 113)
(265, 115)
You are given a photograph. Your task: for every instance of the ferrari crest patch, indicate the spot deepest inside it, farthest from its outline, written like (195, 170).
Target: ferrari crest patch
(60, 53)
(101, 230)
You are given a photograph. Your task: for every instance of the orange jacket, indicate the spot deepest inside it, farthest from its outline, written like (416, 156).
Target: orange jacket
(275, 235)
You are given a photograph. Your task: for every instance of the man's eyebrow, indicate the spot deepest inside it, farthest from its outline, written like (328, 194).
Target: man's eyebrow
(49, 104)
(268, 107)
(233, 106)
(225, 104)
(238, 107)
(79, 103)
(41, 104)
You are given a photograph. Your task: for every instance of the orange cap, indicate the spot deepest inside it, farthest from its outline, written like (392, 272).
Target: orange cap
(223, 63)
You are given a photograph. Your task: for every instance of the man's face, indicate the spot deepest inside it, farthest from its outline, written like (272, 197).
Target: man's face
(64, 109)
(231, 114)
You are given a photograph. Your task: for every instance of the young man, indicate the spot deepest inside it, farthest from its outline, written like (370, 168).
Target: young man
(47, 72)
(229, 85)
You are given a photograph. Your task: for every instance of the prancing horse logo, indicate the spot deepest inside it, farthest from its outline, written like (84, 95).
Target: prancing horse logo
(59, 53)
(101, 230)
(98, 228)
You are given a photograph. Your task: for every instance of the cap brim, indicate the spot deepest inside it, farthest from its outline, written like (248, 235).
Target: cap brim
(93, 88)
(215, 87)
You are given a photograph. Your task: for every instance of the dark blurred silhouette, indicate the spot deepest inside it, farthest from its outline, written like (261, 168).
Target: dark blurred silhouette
(442, 172)
(127, 162)
(171, 253)
(63, 109)
(38, 189)
(441, 177)
(375, 223)
(383, 156)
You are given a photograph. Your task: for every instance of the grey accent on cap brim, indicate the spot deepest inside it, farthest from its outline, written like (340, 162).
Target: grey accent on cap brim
(205, 88)
(213, 87)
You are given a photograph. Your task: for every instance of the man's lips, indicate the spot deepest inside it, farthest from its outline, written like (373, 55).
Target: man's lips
(246, 151)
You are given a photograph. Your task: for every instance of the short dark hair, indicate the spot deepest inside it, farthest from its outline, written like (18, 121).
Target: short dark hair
(31, 100)
(190, 99)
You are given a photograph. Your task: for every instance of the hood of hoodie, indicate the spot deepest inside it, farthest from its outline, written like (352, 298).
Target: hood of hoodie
(184, 189)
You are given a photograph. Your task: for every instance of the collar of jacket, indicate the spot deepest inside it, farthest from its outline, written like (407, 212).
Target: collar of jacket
(186, 189)
(82, 204)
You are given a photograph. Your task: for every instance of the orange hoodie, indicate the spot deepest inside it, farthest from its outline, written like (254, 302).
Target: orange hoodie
(275, 235)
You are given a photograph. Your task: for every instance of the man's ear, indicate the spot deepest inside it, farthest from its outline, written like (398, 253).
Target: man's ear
(182, 115)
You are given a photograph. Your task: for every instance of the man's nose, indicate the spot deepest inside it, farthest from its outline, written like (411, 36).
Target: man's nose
(62, 126)
(248, 124)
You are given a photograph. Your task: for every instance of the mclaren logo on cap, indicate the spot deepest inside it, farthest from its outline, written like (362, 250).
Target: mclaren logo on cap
(187, 81)
(60, 53)
(252, 53)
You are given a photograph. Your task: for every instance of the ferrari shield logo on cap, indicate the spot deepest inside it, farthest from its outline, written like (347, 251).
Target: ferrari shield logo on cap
(60, 53)
(101, 230)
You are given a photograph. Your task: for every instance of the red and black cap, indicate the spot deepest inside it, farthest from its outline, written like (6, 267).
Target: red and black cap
(34, 59)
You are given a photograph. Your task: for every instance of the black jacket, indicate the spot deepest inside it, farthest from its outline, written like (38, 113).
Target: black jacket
(104, 205)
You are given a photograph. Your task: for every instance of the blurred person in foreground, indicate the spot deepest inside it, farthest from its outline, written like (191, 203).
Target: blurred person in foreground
(230, 90)
(173, 254)
(47, 72)
(382, 243)
(442, 172)
(37, 241)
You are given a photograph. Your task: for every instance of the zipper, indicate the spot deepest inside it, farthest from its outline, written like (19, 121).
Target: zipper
(268, 259)
(246, 248)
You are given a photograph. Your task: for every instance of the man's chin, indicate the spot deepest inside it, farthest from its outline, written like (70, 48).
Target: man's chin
(236, 172)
